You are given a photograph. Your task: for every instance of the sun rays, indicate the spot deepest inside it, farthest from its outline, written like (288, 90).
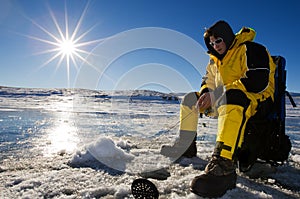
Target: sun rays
(64, 45)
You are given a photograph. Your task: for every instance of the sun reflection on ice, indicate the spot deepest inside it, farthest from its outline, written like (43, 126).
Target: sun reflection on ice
(62, 137)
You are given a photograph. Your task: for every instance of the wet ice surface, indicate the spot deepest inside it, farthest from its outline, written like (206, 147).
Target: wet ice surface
(52, 141)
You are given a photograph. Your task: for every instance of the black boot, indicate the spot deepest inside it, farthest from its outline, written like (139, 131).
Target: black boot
(185, 146)
(219, 177)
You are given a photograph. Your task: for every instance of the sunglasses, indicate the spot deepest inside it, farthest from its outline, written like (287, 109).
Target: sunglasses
(217, 41)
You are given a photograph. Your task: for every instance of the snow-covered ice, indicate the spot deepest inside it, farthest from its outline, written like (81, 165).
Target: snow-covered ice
(75, 143)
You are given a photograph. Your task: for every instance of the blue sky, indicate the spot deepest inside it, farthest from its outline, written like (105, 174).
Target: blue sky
(122, 53)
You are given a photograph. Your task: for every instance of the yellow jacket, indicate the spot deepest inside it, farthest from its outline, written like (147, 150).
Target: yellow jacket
(247, 66)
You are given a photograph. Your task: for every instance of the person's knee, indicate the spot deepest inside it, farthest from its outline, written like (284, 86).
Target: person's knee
(234, 97)
(190, 99)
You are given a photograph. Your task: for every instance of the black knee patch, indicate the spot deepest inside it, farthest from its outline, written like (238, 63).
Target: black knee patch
(190, 99)
(235, 97)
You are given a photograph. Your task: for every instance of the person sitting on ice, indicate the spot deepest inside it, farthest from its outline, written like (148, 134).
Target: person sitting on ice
(239, 76)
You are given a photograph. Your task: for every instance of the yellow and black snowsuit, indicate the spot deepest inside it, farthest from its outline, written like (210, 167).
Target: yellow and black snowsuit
(240, 79)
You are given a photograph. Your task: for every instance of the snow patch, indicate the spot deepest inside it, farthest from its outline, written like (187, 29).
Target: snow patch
(102, 152)
(295, 158)
(106, 151)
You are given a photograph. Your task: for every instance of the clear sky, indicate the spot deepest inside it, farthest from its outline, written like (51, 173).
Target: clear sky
(132, 44)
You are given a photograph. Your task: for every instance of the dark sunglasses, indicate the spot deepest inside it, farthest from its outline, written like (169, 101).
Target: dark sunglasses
(217, 41)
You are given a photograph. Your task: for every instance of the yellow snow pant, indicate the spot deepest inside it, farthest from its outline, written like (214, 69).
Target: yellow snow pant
(188, 113)
(234, 109)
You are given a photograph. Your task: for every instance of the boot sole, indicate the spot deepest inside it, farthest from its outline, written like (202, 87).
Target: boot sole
(211, 195)
(203, 185)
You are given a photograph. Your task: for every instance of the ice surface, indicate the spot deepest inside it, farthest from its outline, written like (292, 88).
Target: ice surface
(74, 143)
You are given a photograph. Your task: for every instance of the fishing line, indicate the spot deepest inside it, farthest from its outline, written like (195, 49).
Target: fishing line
(177, 123)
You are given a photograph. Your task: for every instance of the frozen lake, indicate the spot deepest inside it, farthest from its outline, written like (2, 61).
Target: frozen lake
(51, 141)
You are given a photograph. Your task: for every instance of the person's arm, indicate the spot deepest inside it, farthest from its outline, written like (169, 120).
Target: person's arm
(206, 98)
(256, 77)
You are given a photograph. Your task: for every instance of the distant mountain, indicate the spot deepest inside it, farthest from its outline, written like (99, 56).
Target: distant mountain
(295, 94)
(23, 92)
(44, 92)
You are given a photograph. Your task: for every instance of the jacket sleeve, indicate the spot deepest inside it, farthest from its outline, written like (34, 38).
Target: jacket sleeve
(256, 78)
(208, 79)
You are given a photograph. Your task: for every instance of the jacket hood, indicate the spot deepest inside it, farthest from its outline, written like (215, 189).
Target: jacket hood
(223, 30)
(219, 29)
(245, 34)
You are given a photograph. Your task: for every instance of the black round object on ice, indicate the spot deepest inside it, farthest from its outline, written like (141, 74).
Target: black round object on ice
(144, 189)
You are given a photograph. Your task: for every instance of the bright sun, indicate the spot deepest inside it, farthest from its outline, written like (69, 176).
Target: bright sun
(65, 45)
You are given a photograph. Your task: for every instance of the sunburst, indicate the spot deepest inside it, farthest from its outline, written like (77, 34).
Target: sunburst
(64, 45)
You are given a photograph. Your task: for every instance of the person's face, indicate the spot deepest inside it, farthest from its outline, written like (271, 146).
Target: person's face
(218, 44)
